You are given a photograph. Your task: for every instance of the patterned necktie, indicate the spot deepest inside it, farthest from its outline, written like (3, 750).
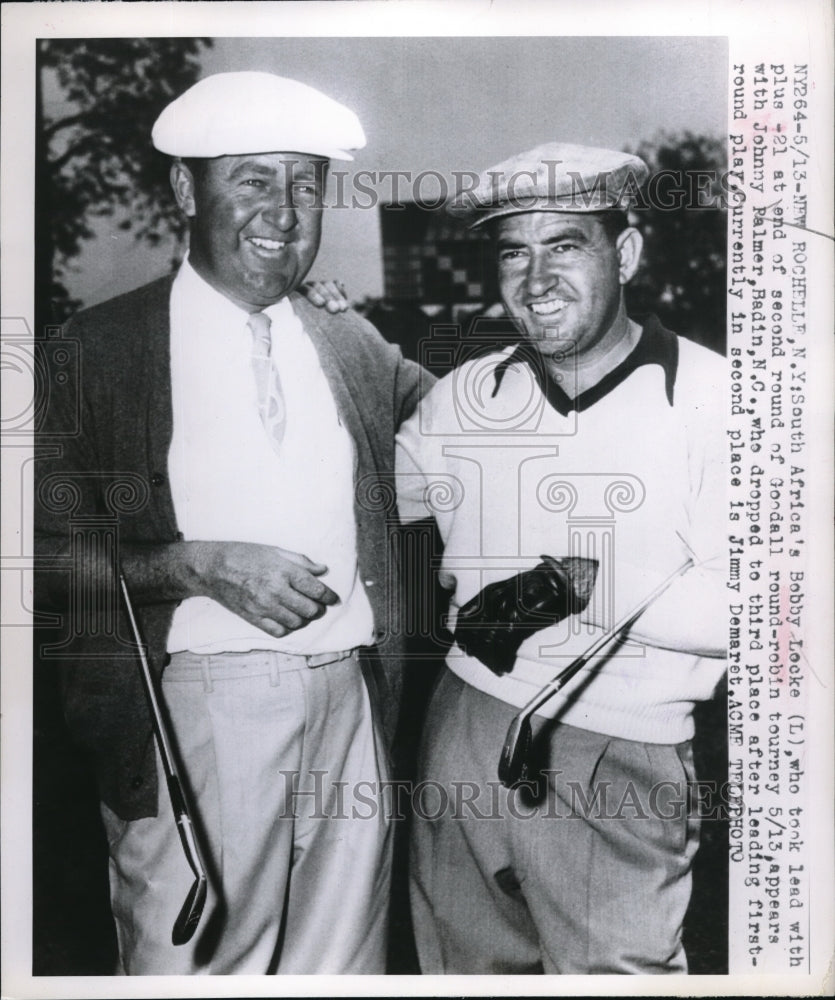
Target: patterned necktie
(267, 382)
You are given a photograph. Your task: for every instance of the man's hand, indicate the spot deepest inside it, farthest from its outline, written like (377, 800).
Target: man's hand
(328, 295)
(494, 624)
(275, 590)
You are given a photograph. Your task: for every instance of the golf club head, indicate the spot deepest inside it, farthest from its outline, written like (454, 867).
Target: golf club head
(514, 763)
(192, 910)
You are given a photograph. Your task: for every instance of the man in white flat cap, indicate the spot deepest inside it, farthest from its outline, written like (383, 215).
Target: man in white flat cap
(234, 434)
(585, 464)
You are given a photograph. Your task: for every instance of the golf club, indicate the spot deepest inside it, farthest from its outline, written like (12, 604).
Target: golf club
(192, 909)
(513, 763)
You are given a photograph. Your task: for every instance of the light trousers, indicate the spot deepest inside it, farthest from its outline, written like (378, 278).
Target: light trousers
(591, 876)
(280, 762)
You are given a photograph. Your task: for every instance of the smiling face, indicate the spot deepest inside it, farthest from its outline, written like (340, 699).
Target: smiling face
(255, 222)
(562, 276)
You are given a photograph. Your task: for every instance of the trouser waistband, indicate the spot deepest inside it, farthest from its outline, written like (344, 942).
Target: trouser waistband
(186, 665)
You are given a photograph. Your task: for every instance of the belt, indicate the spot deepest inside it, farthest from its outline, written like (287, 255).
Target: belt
(323, 659)
(226, 666)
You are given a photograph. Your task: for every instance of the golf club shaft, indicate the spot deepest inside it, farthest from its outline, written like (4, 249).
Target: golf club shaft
(513, 763)
(150, 691)
(562, 678)
(185, 827)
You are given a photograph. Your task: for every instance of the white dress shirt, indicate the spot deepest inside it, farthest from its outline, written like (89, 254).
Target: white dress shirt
(229, 484)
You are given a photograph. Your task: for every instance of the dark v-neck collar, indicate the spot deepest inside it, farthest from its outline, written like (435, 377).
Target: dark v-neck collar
(657, 345)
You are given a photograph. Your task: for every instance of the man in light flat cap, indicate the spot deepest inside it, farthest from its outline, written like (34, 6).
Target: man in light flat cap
(229, 431)
(581, 464)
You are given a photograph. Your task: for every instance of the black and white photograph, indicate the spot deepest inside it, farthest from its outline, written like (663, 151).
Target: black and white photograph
(509, 652)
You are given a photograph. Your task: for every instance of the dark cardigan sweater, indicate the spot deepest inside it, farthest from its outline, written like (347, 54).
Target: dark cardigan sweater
(102, 444)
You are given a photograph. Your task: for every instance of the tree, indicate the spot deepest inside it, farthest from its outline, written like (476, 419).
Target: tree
(94, 157)
(683, 269)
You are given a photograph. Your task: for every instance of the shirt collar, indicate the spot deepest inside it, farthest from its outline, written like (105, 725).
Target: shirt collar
(656, 345)
(198, 293)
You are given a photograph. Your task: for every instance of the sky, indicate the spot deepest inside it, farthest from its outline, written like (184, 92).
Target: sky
(454, 103)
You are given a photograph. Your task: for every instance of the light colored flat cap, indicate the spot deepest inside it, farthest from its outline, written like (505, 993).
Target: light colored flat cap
(230, 114)
(554, 177)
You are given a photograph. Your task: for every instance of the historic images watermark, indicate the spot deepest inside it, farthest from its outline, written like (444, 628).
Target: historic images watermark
(550, 796)
(666, 190)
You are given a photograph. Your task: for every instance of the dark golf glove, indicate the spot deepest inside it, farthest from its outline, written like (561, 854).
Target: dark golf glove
(494, 624)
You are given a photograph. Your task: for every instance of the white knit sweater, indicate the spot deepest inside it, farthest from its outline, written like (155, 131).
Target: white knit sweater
(508, 479)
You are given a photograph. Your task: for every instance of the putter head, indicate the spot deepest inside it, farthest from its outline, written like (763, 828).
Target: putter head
(192, 910)
(514, 765)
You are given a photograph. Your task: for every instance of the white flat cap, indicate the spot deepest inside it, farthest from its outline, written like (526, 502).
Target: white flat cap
(230, 114)
(554, 177)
